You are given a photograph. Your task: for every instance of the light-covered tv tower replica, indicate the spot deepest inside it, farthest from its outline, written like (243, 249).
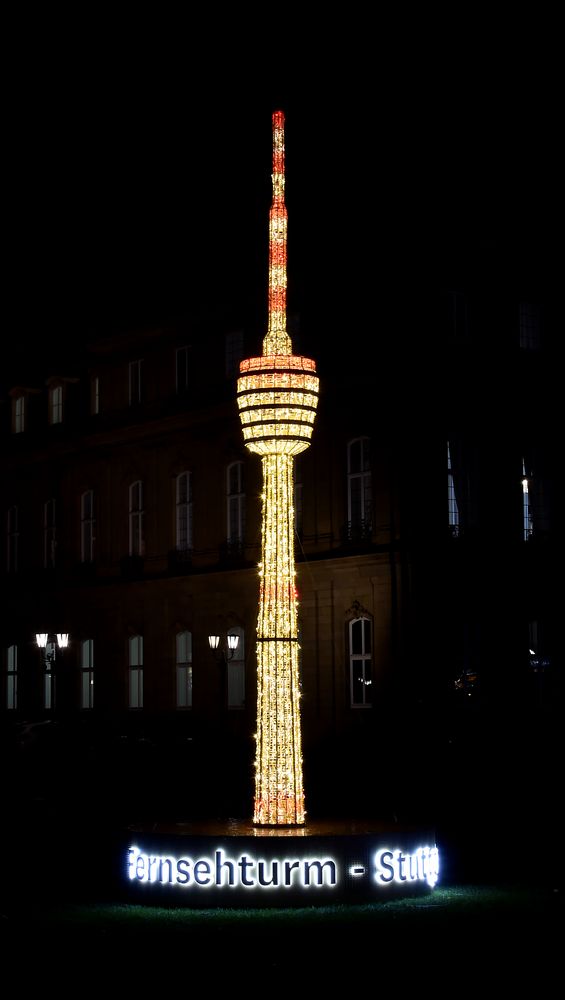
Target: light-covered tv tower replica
(277, 395)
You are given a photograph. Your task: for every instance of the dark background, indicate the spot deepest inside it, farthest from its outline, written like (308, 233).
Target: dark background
(137, 161)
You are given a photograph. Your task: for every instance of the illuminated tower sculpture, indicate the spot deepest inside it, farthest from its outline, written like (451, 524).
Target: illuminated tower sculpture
(277, 396)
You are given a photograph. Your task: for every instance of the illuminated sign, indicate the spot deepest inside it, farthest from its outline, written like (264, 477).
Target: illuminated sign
(397, 866)
(219, 870)
(354, 867)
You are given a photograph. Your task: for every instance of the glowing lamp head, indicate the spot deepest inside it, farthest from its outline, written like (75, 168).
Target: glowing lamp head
(213, 641)
(42, 638)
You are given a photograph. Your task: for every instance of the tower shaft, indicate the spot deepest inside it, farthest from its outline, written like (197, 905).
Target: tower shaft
(279, 794)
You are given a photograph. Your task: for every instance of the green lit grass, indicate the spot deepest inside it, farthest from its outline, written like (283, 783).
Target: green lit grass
(441, 906)
(455, 938)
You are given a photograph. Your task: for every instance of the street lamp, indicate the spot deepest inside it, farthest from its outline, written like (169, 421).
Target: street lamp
(48, 644)
(226, 650)
(42, 639)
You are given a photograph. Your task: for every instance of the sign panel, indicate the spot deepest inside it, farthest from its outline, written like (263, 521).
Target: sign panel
(279, 870)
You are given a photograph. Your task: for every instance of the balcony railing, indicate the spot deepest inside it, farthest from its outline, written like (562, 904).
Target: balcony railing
(357, 532)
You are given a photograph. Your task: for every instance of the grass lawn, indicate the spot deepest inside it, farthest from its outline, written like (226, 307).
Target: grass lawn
(484, 935)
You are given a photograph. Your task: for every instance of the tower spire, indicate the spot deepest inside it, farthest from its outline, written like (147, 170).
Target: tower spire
(277, 340)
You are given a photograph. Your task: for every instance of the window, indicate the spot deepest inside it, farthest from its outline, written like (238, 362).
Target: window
(12, 540)
(181, 370)
(184, 512)
(56, 404)
(464, 639)
(49, 676)
(87, 673)
(298, 495)
(136, 671)
(452, 505)
(49, 534)
(462, 479)
(134, 383)
(539, 659)
(87, 524)
(236, 672)
(360, 662)
(48, 646)
(530, 326)
(359, 500)
(536, 497)
(94, 395)
(234, 353)
(19, 408)
(184, 669)
(235, 505)
(18, 405)
(12, 678)
(136, 536)
(527, 511)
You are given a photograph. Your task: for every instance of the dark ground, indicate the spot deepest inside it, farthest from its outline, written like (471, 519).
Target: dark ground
(492, 921)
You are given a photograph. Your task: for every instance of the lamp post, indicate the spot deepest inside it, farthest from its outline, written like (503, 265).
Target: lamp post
(48, 645)
(224, 651)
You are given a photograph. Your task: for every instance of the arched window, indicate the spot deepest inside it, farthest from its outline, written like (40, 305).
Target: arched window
(361, 662)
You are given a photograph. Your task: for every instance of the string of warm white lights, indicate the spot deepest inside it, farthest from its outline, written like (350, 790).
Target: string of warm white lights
(277, 399)
(277, 340)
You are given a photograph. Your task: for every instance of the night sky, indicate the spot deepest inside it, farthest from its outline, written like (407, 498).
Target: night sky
(137, 184)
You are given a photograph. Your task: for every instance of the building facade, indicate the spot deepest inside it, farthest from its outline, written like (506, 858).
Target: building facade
(425, 544)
